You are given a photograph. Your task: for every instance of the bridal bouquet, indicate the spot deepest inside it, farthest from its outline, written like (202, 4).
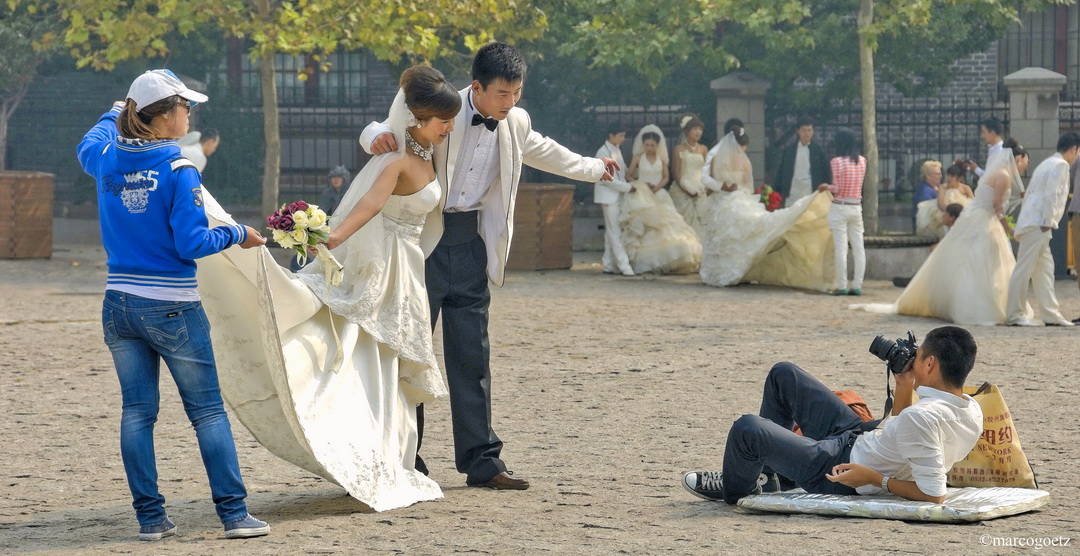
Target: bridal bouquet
(769, 198)
(300, 226)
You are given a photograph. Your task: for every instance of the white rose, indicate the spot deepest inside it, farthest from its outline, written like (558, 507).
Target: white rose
(300, 219)
(317, 220)
(283, 239)
(299, 237)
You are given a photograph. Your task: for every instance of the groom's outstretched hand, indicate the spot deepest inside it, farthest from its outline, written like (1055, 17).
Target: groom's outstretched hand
(610, 167)
(383, 144)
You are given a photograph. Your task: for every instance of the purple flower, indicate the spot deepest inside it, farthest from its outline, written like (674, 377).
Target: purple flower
(297, 206)
(280, 220)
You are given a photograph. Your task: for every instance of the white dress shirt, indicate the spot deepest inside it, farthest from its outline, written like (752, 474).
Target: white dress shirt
(801, 181)
(478, 163)
(923, 442)
(1044, 201)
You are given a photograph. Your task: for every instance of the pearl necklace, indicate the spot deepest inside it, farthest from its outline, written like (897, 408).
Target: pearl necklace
(422, 152)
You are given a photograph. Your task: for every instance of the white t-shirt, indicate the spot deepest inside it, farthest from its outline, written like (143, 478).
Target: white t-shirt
(923, 442)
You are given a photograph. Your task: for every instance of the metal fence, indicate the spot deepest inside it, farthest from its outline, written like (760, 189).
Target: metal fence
(909, 132)
(1045, 39)
(584, 132)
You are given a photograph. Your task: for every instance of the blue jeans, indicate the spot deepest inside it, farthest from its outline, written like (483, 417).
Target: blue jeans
(140, 332)
(766, 441)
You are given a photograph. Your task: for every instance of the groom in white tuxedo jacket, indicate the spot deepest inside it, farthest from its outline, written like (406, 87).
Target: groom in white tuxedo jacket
(467, 240)
(1041, 210)
(607, 194)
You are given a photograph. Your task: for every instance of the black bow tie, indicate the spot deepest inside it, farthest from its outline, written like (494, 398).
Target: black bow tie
(490, 123)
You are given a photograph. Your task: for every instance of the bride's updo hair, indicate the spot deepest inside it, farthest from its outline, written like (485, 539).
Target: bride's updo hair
(649, 135)
(690, 121)
(957, 170)
(741, 137)
(1013, 144)
(428, 94)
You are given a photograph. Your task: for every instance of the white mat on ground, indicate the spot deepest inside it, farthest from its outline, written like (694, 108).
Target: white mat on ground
(961, 505)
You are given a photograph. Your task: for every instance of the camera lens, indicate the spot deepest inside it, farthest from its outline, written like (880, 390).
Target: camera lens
(881, 346)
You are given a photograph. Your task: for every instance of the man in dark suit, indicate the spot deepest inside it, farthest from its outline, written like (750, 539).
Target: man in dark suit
(803, 166)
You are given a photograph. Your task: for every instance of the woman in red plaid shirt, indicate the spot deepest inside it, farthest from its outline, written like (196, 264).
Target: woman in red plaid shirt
(845, 216)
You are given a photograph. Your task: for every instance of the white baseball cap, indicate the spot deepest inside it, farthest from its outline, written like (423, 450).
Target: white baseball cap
(158, 84)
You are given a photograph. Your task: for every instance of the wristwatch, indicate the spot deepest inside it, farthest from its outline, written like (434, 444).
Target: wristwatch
(885, 483)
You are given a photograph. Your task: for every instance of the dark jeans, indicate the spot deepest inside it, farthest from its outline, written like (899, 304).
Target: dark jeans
(766, 440)
(457, 284)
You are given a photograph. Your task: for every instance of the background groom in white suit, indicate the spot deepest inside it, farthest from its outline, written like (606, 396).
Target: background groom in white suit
(607, 194)
(1042, 209)
(467, 241)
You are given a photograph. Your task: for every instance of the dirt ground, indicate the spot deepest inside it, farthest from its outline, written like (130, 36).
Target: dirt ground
(605, 389)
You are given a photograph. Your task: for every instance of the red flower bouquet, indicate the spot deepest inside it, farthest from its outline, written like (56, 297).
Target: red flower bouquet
(769, 198)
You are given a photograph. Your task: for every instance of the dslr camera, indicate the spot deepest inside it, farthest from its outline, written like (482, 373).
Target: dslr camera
(895, 354)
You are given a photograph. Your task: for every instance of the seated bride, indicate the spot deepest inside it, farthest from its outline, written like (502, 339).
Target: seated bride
(654, 234)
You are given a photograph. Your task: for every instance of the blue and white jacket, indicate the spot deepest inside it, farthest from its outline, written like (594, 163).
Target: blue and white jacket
(150, 206)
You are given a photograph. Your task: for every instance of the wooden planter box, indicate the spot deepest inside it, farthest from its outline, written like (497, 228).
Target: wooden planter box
(543, 227)
(26, 215)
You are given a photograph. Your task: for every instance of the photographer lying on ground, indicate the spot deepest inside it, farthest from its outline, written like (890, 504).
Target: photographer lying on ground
(909, 454)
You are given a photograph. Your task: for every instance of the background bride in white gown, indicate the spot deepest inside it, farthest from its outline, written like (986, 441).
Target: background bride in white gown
(655, 236)
(966, 278)
(332, 379)
(744, 242)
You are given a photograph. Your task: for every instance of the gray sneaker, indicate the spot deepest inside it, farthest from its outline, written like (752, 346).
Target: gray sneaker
(156, 532)
(246, 528)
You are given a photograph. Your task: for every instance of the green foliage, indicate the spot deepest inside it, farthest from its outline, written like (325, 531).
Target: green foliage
(652, 38)
(792, 42)
(28, 34)
(99, 34)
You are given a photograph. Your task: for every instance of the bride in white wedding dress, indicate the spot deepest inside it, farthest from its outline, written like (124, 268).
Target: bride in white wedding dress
(331, 378)
(965, 279)
(655, 236)
(744, 242)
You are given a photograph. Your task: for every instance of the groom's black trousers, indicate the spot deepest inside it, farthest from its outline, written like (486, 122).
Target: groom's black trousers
(457, 285)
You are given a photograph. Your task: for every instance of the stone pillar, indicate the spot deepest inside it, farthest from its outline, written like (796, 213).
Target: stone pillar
(1033, 110)
(1034, 122)
(742, 95)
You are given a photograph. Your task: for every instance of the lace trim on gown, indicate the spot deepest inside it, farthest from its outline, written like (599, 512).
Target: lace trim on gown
(401, 321)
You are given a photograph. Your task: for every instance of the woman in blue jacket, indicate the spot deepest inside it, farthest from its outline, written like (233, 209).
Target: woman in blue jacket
(153, 227)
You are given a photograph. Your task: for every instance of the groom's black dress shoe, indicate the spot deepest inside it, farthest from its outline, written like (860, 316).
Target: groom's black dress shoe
(1076, 320)
(504, 481)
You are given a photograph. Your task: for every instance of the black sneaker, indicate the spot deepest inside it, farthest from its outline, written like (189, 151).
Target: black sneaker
(709, 485)
(704, 484)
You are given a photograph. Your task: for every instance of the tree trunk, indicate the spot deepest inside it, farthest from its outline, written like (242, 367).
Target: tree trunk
(271, 126)
(272, 134)
(7, 110)
(5, 118)
(869, 119)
